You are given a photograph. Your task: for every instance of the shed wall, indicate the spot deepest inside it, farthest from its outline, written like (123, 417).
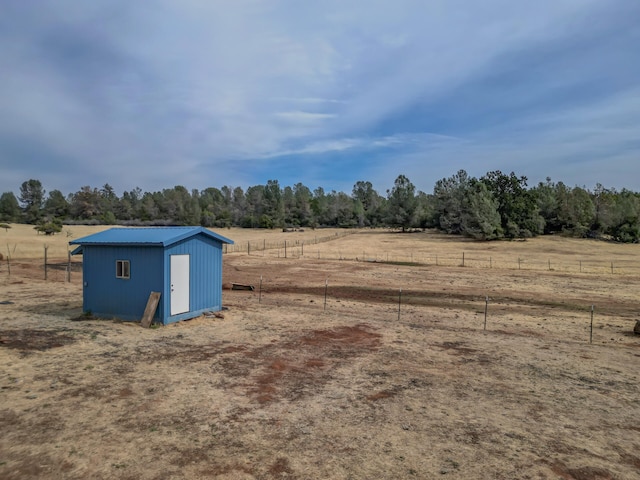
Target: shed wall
(107, 296)
(205, 275)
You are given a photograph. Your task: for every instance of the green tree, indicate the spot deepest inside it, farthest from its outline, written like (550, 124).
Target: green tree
(109, 204)
(547, 197)
(402, 204)
(181, 207)
(302, 196)
(128, 207)
(148, 208)
(426, 211)
(340, 211)
(211, 202)
(604, 203)
(577, 213)
(319, 207)
(289, 205)
(238, 206)
(255, 207)
(86, 204)
(49, 227)
(9, 208)
(56, 205)
(32, 197)
(449, 194)
(273, 203)
(480, 218)
(368, 204)
(517, 206)
(625, 218)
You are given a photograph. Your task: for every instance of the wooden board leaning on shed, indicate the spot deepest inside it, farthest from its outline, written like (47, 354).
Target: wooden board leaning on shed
(150, 309)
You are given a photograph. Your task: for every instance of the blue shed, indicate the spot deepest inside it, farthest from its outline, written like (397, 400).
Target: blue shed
(122, 266)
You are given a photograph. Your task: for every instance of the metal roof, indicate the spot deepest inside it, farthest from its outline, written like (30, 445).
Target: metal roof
(146, 236)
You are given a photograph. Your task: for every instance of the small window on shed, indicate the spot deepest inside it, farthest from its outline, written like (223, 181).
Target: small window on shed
(123, 269)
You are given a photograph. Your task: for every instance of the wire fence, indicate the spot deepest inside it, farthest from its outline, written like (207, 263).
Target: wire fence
(592, 265)
(309, 248)
(305, 249)
(256, 246)
(582, 322)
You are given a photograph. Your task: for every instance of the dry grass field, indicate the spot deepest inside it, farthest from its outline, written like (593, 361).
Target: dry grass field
(369, 383)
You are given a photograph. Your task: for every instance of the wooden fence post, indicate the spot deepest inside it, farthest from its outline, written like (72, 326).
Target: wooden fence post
(45, 261)
(486, 307)
(326, 286)
(8, 262)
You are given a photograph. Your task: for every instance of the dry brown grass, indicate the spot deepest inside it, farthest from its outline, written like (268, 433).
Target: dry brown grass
(282, 388)
(23, 242)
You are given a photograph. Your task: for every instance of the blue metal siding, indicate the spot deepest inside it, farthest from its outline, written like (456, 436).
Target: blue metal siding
(205, 275)
(107, 296)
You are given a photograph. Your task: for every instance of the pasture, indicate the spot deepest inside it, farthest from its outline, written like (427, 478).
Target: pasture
(365, 356)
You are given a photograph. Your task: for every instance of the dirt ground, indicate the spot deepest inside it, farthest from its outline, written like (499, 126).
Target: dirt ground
(392, 376)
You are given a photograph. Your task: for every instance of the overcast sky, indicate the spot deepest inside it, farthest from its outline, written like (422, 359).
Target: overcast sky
(209, 93)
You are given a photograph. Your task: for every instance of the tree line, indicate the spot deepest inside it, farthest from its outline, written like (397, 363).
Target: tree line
(494, 206)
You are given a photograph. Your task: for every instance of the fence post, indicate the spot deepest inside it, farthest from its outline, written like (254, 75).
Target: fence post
(463, 259)
(260, 291)
(549, 264)
(399, 303)
(45, 261)
(518, 263)
(8, 262)
(591, 329)
(486, 307)
(326, 286)
(611, 268)
(490, 263)
(68, 266)
(248, 248)
(285, 249)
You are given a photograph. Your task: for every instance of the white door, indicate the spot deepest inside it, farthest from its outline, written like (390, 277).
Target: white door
(179, 284)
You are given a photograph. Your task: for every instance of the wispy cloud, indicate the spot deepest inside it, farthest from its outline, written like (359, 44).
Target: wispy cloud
(391, 142)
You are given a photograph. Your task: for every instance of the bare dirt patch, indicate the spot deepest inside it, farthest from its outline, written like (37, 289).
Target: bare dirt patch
(32, 339)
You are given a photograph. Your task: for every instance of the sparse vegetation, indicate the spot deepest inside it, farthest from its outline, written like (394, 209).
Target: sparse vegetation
(283, 388)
